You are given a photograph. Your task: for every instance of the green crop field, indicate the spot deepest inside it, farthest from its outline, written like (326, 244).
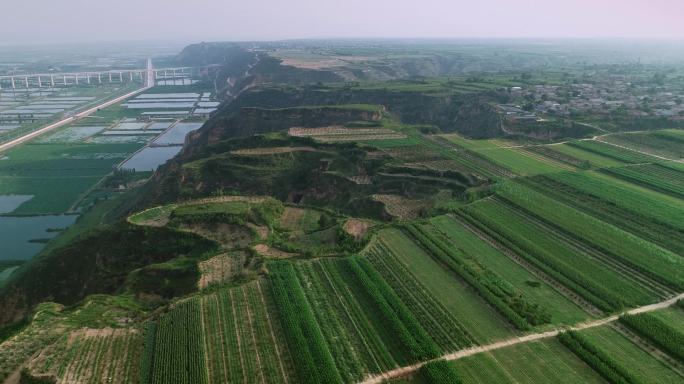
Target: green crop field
(57, 175)
(461, 301)
(520, 163)
(594, 159)
(526, 363)
(657, 177)
(663, 143)
(351, 211)
(612, 152)
(562, 311)
(637, 361)
(596, 282)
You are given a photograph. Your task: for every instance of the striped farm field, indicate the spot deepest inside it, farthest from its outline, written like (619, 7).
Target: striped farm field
(462, 302)
(562, 310)
(661, 178)
(640, 363)
(596, 282)
(92, 355)
(231, 335)
(612, 151)
(662, 143)
(545, 361)
(649, 259)
(594, 159)
(651, 215)
(522, 163)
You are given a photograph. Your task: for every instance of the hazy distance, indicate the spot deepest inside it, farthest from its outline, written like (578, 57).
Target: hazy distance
(41, 21)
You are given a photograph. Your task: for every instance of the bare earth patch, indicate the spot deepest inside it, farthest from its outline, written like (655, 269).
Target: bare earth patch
(291, 218)
(401, 207)
(357, 227)
(361, 179)
(338, 133)
(271, 151)
(220, 268)
(91, 355)
(275, 253)
(228, 235)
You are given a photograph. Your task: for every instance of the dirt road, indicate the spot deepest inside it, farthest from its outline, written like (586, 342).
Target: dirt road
(402, 371)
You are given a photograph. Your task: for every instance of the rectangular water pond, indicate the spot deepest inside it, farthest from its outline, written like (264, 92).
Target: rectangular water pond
(159, 105)
(72, 134)
(150, 158)
(176, 135)
(168, 96)
(9, 203)
(23, 237)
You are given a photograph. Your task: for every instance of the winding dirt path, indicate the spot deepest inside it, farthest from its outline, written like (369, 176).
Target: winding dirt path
(402, 371)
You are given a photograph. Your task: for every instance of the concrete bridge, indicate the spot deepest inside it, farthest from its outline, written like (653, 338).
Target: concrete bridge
(58, 80)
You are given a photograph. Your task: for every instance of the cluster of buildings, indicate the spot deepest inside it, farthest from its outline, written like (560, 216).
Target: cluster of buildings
(610, 96)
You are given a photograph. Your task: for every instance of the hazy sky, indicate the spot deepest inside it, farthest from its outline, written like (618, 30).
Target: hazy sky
(192, 20)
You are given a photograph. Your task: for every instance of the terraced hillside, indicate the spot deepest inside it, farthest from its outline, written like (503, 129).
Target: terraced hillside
(342, 242)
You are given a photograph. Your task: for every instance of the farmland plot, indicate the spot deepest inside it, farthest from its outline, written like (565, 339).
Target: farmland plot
(649, 259)
(661, 178)
(561, 309)
(519, 162)
(92, 355)
(651, 215)
(478, 319)
(536, 362)
(597, 283)
(613, 152)
(232, 337)
(663, 143)
(592, 158)
(640, 363)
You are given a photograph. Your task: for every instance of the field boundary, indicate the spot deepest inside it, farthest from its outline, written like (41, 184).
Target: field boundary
(403, 371)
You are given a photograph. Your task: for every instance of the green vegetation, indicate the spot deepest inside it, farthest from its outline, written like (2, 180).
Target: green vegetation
(597, 359)
(496, 291)
(659, 264)
(663, 143)
(424, 211)
(654, 176)
(640, 363)
(663, 335)
(520, 163)
(468, 308)
(545, 250)
(523, 283)
(304, 338)
(611, 151)
(179, 353)
(546, 361)
(438, 372)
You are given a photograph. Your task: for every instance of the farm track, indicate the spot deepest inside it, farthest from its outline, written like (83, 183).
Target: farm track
(553, 283)
(648, 347)
(654, 286)
(403, 371)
